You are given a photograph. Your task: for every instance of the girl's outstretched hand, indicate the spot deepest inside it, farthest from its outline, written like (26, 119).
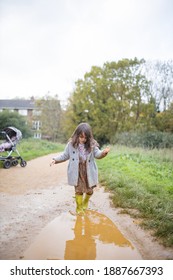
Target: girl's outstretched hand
(106, 151)
(52, 162)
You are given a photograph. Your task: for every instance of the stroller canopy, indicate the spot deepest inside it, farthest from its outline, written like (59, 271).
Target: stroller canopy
(13, 131)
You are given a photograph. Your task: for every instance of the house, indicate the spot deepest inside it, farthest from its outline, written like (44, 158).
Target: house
(26, 108)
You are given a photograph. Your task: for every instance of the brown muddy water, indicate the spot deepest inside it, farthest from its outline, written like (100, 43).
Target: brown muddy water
(92, 236)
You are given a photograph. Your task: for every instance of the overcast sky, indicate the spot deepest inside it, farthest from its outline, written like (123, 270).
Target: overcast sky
(46, 45)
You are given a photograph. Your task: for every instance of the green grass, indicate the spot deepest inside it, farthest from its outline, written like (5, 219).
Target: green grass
(142, 180)
(33, 148)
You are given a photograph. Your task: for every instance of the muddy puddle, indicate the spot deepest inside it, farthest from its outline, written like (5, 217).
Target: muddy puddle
(90, 237)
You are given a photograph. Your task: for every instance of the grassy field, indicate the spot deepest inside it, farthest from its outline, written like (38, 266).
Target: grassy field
(141, 182)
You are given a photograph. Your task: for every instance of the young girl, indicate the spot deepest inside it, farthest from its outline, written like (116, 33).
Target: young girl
(82, 173)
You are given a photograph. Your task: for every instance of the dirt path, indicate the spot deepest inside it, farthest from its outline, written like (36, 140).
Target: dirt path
(33, 196)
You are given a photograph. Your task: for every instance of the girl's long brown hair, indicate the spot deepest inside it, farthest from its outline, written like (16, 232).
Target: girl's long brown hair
(83, 128)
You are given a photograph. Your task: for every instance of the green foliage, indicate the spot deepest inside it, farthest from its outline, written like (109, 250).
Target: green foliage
(8, 118)
(151, 140)
(142, 180)
(123, 96)
(164, 120)
(109, 98)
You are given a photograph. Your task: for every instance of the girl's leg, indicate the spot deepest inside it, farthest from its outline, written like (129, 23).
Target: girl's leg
(87, 198)
(79, 203)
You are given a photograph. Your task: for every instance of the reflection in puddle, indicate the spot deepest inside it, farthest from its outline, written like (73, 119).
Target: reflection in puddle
(90, 237)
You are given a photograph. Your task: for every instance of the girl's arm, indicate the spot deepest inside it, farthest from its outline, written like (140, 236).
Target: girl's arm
(101, 153)
(106, 151)
(62, 157)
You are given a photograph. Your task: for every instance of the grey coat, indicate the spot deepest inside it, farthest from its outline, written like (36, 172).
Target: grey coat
(72, 154)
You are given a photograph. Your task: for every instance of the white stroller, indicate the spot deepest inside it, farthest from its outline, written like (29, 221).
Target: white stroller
(12, 136)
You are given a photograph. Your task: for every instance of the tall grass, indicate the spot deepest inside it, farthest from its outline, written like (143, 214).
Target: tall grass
(142, 180)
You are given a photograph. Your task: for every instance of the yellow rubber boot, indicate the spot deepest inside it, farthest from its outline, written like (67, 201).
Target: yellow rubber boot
(86, 200)
(79, 204)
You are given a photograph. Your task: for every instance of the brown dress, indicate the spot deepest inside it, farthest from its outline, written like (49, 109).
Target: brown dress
(82, 186)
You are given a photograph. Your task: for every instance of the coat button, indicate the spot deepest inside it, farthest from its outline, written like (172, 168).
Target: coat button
(73, 152)
(73, 159)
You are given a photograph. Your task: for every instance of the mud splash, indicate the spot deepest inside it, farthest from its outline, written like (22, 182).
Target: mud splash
(90, 237)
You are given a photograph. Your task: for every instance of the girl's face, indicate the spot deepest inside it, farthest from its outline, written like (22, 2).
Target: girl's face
(82, 138)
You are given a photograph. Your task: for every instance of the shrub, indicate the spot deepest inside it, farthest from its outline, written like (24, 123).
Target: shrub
(150, 140)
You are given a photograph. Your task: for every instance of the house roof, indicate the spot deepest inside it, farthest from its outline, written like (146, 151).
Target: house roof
(19, 104)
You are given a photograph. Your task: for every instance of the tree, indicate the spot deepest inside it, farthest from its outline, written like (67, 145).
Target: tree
(50, 116)
(8, 118)
(109, 98)
(160, 76)
(164, 120)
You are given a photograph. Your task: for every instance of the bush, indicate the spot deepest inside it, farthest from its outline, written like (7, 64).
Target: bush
(150, 140)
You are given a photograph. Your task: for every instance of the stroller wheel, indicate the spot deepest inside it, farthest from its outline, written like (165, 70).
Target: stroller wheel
(7, 164)
(15, 162)
(23, 163)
